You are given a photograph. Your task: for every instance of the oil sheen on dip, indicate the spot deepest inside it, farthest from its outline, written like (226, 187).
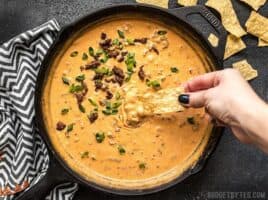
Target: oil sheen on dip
(82, 103)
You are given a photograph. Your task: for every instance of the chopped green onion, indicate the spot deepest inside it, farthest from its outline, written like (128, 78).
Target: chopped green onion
(74, 54)
(75, 88)
(129, 74)
(130, 62)
(93, 103)
(80, 78)
(148, 82)
(116, 104)
(111, 108)
(154, 84)
(130, 41)
(100, 136)
(99, 52)
(142, 166)
(121, 34)
(117, 96)
(127, 79)
(102, 70)
(84, 56)
(105, 57)
(174, 69)
(81, 108)
(110, 73)
(91, 51)
(64, 111)
(70, 127)
(107, 112)
(116, 42)
(121, 150)
(85, 154)
(65, 80)
(108, 104)
(110, 111)
(162, 32)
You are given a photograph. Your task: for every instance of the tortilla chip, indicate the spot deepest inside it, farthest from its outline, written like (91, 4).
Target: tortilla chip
(187, 2)
(213, 39)
(233, 46)
(257, 25)
(262, 43)
(245, 69)
(165, 101)
(255, 4)
(228, 16)
(160, 3)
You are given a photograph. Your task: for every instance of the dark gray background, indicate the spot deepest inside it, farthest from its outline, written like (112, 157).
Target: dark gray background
(232, 167)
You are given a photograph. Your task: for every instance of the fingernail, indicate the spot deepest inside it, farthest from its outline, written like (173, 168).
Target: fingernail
(184, 98)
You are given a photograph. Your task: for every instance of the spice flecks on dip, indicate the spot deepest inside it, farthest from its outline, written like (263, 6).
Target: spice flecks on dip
(85, 92)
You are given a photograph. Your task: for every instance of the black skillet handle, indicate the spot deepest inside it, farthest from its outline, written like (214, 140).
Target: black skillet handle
(54, 176)
(209, 24)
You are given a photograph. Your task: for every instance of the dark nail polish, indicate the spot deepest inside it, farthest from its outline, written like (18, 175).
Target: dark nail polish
(184, 98)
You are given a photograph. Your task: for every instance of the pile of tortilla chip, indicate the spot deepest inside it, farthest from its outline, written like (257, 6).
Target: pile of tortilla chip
(256, 25)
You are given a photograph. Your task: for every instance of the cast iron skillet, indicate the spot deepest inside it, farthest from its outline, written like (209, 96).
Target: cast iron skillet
(186, 18)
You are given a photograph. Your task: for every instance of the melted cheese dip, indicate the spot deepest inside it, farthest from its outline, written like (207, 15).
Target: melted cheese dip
(104, 150)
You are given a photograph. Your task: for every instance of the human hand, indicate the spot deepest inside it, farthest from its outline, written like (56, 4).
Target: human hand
(230, 100)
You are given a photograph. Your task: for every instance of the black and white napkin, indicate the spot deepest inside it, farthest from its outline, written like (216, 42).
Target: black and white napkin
(23, 155)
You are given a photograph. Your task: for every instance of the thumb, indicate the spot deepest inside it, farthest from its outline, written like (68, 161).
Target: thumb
(194, 99)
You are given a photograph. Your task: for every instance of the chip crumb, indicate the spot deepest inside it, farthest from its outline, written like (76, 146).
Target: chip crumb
(228, 16)
(160, 3)
(262, 43)
(255, 4)
(233, 46)
(245, 69)
(213, 39)
(187, 2)
(257, 25)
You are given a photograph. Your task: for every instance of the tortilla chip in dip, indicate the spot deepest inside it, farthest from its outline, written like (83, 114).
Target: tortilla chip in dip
(165, 101)
(233, 46)
(187, 2)
(245, 69)
(262, 43)
(255, 4)
(257, 25)
(228, 16)
(213, 39)
(160, 3)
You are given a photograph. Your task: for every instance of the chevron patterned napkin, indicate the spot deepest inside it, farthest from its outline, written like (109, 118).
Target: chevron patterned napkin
(23, 155)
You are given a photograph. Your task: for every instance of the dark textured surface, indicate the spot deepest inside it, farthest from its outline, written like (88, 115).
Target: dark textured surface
(232, 167)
